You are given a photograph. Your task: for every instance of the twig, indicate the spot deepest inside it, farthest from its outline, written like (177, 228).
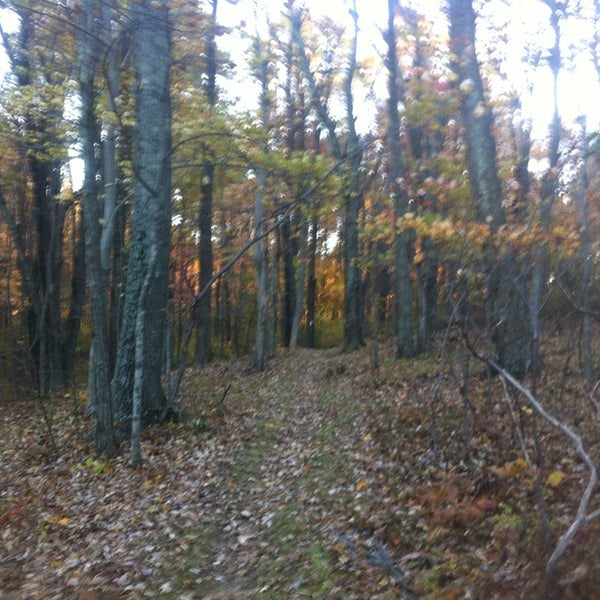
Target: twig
(224, 396)
(48, 424)
(517, 428)
(593, 401)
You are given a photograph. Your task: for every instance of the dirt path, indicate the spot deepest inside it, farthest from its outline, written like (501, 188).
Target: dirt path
(289, 499)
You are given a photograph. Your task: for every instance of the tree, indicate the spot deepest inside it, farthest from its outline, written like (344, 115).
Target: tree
(97, 273)
(508, 316)
(112, 135)
(205, 216)
(587, 263)
(348, 150)
(261, 350)
(549, 182)
(150, 237)
(37, 218)
(396, 174)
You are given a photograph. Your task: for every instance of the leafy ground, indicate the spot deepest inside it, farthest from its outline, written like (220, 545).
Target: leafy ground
(320, 478)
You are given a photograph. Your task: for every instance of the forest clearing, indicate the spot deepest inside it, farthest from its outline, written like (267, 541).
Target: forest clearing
(318, 478)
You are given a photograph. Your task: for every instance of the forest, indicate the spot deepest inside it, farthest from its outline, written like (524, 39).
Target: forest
(299, 301)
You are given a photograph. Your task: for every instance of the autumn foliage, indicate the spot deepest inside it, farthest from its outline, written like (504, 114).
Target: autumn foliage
(422, 420)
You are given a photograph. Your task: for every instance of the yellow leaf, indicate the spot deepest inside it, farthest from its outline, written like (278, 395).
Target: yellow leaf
(64, 521)
(555, 478)
(362, 485)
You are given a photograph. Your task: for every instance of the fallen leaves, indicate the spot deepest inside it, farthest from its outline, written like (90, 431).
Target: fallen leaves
(308, 486)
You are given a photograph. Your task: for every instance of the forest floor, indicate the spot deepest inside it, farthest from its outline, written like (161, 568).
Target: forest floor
(322, 477)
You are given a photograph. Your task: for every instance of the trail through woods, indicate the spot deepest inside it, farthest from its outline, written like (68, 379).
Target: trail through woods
(320, 478)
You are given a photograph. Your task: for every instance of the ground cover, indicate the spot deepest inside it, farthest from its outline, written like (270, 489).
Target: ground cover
(322, 477)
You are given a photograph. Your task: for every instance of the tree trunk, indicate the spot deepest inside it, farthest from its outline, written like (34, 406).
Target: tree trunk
(72, 324)
(260, 266)
(151, 212)
(508, 313)
(428, 294)
(587, 261)
(353, 296)
(403, 298)
(97, 276)
(203, 308)
(477, 117)
(288, 248)
(311, 286)
(140, 361)
(300, 285)
(260, 248)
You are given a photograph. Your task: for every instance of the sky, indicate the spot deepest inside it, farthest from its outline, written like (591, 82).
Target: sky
(524, 23)
(372, 19)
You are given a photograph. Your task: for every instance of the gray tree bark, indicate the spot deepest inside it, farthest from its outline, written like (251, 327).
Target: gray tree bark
(151, 212)
(403, 298)
(97, 277)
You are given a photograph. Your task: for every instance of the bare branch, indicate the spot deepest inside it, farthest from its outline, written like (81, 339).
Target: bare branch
(582, 518)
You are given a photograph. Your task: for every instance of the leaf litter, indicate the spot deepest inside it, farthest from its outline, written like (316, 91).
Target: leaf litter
(319, 478)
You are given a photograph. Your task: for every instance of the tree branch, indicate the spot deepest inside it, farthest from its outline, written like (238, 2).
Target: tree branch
(582, 518)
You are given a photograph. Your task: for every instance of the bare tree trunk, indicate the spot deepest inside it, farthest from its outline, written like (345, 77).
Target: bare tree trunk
(97, 276)
(203, 309)
(151, 212)
(403, 298)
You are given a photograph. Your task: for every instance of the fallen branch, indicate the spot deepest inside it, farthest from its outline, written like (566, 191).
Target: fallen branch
(581, 518)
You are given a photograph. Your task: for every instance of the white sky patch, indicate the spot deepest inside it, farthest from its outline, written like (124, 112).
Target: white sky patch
(526, 28)
(10, 24)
